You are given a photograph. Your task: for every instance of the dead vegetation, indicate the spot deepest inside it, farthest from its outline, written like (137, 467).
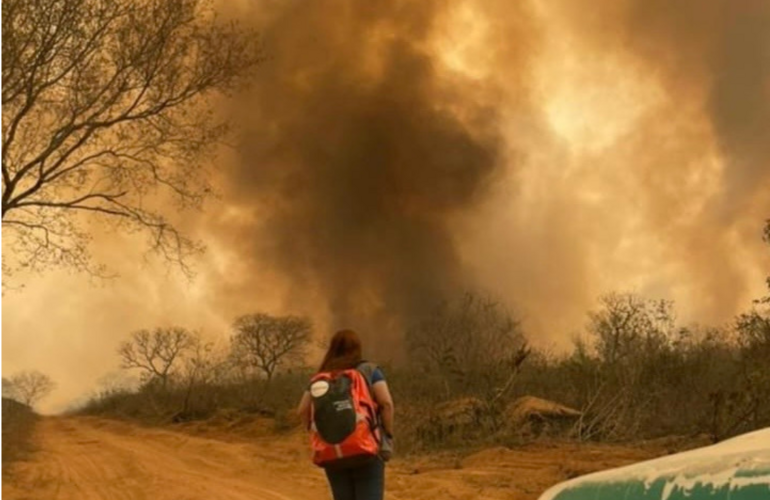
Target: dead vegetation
(18, 426)
(635, 374)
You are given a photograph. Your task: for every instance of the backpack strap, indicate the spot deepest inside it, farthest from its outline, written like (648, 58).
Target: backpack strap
(367, 369)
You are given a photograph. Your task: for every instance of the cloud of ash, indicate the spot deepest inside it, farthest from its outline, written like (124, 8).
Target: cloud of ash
(362, 146)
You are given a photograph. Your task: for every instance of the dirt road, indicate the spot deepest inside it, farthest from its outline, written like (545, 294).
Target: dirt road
(94, 459)
(89, 459)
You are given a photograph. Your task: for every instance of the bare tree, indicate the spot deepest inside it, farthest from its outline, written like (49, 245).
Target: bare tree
(29, 387)
(267, 342)
(467, 333)
(157, 353)
(115, 382)
(206, 363)
(198, 369)
(7, 388)
(767, 231)
(106, 110)
(628, 325)
(472, 343)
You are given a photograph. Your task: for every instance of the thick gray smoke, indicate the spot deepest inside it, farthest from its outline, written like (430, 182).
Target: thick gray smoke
(364, 147)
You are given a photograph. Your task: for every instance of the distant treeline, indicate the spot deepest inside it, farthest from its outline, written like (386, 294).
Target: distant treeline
(633, 374)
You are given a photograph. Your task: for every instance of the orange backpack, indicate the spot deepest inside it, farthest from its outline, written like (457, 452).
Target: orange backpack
(344, 418)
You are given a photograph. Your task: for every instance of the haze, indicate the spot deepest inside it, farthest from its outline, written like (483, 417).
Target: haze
(392, 153)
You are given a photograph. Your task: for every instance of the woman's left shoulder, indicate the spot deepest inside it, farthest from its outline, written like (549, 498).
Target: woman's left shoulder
(371, 371)
(378, 375)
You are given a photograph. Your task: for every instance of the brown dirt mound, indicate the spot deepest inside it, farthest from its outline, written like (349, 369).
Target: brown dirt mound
(529, 407)
(529, 416)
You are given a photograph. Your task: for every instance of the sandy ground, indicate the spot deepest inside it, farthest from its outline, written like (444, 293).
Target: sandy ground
(81, 458)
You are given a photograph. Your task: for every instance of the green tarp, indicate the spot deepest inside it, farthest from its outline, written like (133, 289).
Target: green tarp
(637, 490)
(737, 469)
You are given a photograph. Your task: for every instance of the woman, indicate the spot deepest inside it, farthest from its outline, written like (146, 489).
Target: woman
(366, 482)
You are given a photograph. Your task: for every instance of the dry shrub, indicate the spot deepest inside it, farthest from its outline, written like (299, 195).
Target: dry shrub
(153, 403)
(18, 426)
(635, 375)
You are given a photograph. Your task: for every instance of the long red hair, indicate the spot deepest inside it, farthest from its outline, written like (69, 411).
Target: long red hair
(344, 352)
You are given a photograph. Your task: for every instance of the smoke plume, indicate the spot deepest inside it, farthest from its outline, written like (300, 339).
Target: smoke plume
(381, 174)
(362, 147)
